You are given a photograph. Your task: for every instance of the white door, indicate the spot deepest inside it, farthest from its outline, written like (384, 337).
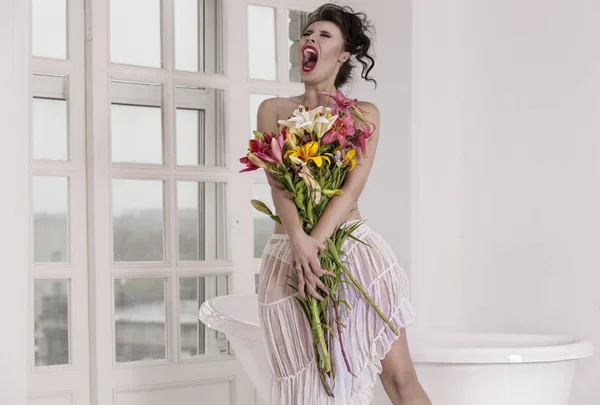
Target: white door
(139, 213)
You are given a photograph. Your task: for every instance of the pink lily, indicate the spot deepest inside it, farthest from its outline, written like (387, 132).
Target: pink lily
(277, 143)
(344, 104)
(342, 128)
(360, 139)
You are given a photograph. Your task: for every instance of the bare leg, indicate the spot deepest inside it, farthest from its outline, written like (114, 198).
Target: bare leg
(399, 377)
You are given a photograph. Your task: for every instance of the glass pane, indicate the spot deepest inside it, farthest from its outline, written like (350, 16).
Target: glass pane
(201, 214)
(296, 22)
(197, 36)
(51, 322)
(199, 129)
(140, 319)
(49, 129)
(49, 28)
(261, 43)
(135, 43)
(138, 220)
(196, 339)
(263, 225)
(50, 219)
(136, 122)
(255, 100)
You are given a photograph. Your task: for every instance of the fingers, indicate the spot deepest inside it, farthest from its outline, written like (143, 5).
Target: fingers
(301, 282)
(316, 267)
(315, 281)
(311, 283)
(319, 271)
(322, 286)
(314, 293)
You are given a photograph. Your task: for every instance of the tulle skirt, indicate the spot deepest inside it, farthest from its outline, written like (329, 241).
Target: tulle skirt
(366, 338)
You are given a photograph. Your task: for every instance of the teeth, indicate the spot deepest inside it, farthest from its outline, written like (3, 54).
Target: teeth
(308, 51)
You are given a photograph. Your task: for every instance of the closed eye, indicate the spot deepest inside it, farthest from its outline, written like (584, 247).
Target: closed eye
(324, 34)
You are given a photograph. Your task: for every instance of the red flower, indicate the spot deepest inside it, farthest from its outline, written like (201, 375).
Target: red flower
(249, 165)
(264, 148)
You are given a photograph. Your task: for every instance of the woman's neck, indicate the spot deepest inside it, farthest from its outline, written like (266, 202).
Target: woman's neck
(312, 99)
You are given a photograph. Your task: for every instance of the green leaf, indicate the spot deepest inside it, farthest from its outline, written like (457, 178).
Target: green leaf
(261, 207)
(322, 182)
(276, 219)
(332, 193)
(326, 255)
(358, 240)
(309, 211)
(258, 135)
(288, 179)
(299, 203)
(346, 304)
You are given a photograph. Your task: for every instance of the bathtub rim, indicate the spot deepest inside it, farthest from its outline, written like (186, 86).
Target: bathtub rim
(573, 350)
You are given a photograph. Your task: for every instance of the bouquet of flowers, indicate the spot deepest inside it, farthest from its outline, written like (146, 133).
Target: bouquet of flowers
(311, 156)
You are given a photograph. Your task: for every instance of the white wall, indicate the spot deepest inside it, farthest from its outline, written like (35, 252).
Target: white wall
(501, 164)
(529, 94)
(14, 207)
(385, 204)
(412, 194)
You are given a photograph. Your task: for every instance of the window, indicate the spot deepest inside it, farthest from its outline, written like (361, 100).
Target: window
(59, 326)
(138, 212)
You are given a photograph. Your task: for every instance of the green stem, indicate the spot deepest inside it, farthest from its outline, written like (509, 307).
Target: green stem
(320, 370)
(370, 300)
(332, 248)
(316, 324)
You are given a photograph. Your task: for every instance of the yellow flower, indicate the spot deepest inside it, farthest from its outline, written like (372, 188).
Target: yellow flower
(344, 157)
(349, 158)
(306, 153)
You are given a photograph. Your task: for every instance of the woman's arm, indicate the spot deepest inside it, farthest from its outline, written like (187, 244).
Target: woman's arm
(304, 247)
(284, 205)
(339, 208)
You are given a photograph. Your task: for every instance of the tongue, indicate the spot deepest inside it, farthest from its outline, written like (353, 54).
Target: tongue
(309, 64)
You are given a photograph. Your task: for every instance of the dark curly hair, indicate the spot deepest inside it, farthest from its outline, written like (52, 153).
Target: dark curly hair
(354, 27)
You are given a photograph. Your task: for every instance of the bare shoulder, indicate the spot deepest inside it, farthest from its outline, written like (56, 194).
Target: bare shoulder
(272, 110)
(282, 107)
(268, 106)
(371, 110)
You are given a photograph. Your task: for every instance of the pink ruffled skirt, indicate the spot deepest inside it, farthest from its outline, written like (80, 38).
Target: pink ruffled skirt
(288, 338)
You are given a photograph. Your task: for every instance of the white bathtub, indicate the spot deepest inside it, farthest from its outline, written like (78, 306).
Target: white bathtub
(454, 368)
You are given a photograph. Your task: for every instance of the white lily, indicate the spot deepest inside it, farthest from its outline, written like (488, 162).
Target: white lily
(311, 183)
(323, 124)
(303, 119)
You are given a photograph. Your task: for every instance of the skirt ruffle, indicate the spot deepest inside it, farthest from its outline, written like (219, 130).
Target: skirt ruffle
(367, 339)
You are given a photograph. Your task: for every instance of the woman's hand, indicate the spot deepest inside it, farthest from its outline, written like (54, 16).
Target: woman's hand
(304, 251)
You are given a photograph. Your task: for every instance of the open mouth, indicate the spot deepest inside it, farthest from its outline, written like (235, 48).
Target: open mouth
(310, 56)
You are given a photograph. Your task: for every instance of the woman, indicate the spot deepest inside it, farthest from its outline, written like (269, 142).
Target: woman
(332, 37)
